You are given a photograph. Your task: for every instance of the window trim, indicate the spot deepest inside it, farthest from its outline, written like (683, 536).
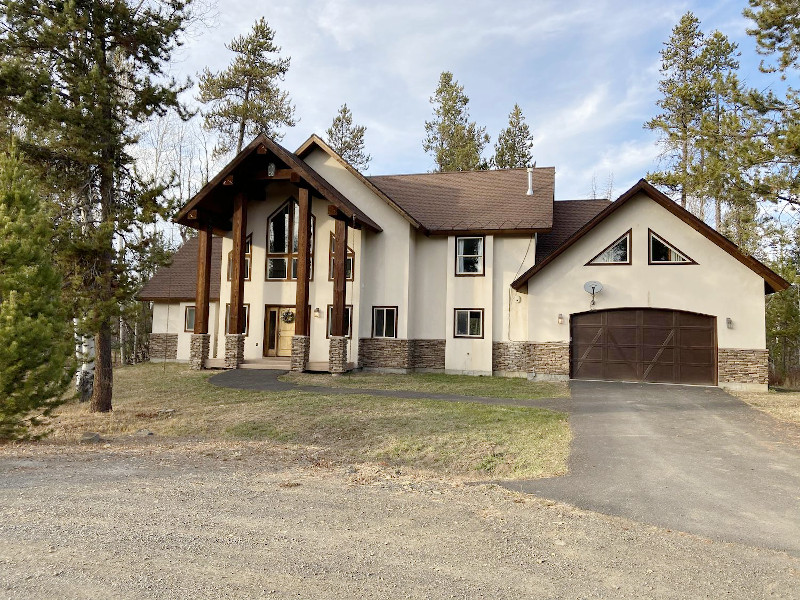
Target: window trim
(483, 255)
(248, 258)
(455, 323)
(629, 235)
(246, 318)
(384, 308)
(329, 311)
(652, 234)
(350, 254)
(289, 256)
(186, 318)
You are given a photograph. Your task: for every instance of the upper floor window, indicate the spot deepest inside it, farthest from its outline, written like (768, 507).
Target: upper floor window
(283, 233)
(617, 253)
(348, 268)
(662, 252)
(469, 255)
(248, 256)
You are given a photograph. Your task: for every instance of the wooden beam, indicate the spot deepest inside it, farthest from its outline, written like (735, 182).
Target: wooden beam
(203, 280)
(237, 271)
(280, 174)
(339, 316)
(301, 325)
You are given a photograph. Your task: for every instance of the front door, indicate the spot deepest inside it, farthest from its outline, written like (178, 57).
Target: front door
(278, 329)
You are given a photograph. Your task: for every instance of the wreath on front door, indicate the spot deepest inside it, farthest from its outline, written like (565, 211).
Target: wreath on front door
(287, 316)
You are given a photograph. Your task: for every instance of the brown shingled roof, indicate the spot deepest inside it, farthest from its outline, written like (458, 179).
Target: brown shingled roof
(178, 280)
(568, 217)
(474, 201)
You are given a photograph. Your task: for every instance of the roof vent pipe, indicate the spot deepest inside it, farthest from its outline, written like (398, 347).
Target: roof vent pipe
(530, 180)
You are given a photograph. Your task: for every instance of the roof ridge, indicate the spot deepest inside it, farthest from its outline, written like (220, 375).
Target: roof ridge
(460, 172)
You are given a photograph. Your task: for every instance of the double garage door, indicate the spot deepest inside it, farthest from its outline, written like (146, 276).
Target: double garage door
(646, 344)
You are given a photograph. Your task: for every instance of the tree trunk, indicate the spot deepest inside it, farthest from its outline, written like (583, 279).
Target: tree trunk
(243, 122)
(103, 371)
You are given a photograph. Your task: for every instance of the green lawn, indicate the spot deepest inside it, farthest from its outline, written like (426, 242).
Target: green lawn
(467, 438)
(435, 383)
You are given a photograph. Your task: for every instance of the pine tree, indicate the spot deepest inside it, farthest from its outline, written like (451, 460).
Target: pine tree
(513, 147)
(683, 96)
(75, 77)
(244, 99)
(455, 142)
(347, 140)
(35, 344)
(777, 33)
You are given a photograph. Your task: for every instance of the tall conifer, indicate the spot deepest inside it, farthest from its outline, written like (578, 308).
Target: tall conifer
(513, 147)
(347, 140)
(455, 142)
(244, 99)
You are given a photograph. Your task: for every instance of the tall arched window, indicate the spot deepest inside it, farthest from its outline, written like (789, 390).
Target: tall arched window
(283, 229)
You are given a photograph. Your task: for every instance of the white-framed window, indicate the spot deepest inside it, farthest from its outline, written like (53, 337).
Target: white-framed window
(248, 255)
(245, 324)
(468, 322)
(384, 321)
(661, 252)
(188, 319)
(348, 267)
(617, 252)
(283, 235)
(348, 309)
(469, 255)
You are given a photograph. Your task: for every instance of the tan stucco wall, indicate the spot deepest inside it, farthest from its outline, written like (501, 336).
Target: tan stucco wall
(512, 257)
(429, 290)
(469, 355)
(718, 285)
(168, 317)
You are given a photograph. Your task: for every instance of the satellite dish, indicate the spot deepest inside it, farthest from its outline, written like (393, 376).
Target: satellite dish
(593, 287)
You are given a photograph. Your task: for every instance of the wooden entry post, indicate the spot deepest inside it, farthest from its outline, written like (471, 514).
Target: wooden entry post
(339, 317)
(200, 341)
(337, 353)
(234, 340)
(301, 325)
(203, 280)
(301, 342)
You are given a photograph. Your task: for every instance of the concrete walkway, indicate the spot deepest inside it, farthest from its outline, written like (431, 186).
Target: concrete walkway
(692, 459)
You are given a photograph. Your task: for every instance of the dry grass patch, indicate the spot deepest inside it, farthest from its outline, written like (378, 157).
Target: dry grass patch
(781, 404)
(435, 383)
(455, 438)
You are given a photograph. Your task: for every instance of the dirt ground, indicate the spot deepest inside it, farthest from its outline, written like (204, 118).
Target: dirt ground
(147, 519)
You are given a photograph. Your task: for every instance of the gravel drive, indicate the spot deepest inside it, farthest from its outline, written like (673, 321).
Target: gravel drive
(145, 519)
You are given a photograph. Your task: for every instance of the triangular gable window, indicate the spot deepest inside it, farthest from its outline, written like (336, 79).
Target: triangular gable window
(664, 253)
(617, 253)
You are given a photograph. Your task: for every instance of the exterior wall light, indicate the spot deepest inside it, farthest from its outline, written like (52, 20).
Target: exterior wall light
(560, 319)
(316, 313)
(729, 323)
(271, 170)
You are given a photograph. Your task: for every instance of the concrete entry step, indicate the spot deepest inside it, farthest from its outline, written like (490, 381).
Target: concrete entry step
(280, 363)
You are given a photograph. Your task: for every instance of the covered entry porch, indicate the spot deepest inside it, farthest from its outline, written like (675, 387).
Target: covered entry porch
(221, 208)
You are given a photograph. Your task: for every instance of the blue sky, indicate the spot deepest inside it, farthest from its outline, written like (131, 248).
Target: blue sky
(585, 72)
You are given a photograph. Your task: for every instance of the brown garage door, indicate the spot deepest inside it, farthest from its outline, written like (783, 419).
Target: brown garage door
(645, 344)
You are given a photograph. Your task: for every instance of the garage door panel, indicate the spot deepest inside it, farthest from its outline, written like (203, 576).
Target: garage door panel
(696, 338)
(587, 352)
(653, 345)
(657, 337)
(651, 353)
(622, 353)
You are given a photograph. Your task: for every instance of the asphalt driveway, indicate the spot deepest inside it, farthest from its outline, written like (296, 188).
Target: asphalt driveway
(693, 459)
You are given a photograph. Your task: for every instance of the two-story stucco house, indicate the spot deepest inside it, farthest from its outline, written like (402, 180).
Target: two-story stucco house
(302, 262)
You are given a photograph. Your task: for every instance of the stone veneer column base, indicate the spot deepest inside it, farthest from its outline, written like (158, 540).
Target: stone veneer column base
(742, 369)
(550, 360)
(301, 346)
(337, 357)
(234, 350)
(198, 350)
